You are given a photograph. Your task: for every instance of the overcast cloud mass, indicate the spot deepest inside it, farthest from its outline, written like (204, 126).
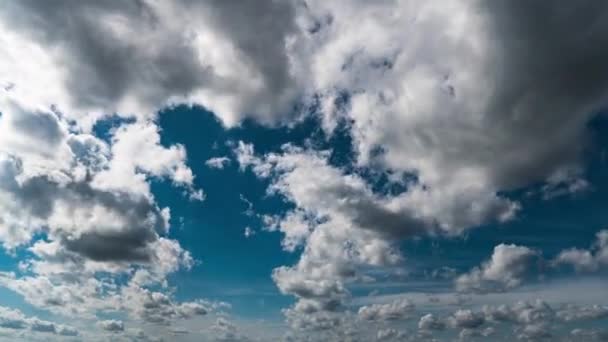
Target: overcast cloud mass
(303, 170)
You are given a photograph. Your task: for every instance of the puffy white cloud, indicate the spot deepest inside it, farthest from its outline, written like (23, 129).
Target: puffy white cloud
(574, 313)
(317, 320)
(389, 334)
(431, 322)
(248, 232)
(341, 222)
(226, 331)
(134, 58)
(217, 162)
(399, 309)
(466, 319)
(447, 120)
(507, 268)
(534, 332)
(586, 260)
(84, 209)
(137, 154)
(16, 320)
(522, 312)
(160, 308)
(112, 325)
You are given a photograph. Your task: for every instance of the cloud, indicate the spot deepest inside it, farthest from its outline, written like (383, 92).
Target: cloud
(586, 260)
(112, 325)
(466, 319)
(399, 309)
(431, 322)
(16, 320)
(226, 331)
(589, 334)
(160, 308)
(135, 58)
(523, 312)
(389, 334)
(403, 94)
(574, 313)
(533, 332)
(217, 162)
(83, 209)
(508, 267)
(249, 232)
(341, 221)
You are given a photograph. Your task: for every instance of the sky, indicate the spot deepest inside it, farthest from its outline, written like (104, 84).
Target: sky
(303, 170)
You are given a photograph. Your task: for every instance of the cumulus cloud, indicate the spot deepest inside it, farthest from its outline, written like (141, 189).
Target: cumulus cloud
(398, 309)
(431, 322)
(134, 58)
(217, 162)
(15, 320)
(84, 209)
(341, 222)
(160, 308)
(389, 334)
(523, 312)
(381, 68)
(404, 92)
(508, 267)
(466, 319)
(586, 260)
(574, 313)
(533, 332)
(226, 331)
(112, 325)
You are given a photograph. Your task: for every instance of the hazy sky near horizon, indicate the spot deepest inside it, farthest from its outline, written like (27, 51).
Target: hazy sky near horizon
(303, 170)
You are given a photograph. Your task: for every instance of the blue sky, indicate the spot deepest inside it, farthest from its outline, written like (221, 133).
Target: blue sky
(303, 171)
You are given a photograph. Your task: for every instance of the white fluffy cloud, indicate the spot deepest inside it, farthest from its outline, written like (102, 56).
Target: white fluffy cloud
(586, 260)
(112, 325)
(13, 319)
(84, 210)
(466, 319)
(342, 223)
(508, 267)
(431, 322)
(398, 309)
(217, 162)
(135, 58)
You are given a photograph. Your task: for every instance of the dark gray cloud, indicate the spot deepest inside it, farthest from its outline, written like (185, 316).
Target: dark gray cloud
(41, 126)
(142, 221)
(550, 77)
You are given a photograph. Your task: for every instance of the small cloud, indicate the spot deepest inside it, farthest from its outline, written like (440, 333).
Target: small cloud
(112, 325)
(217, 162)
(197, 195)
(249, 232)
(249, 211)
(508, 267)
